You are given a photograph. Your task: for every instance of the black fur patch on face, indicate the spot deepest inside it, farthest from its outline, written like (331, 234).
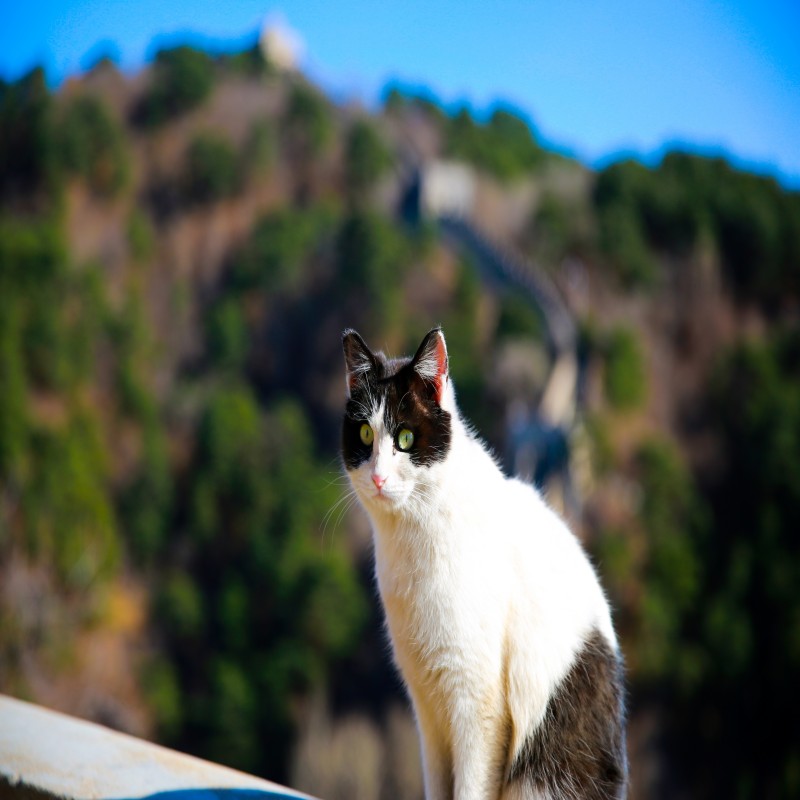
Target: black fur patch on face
(578, 751)
(409, 403)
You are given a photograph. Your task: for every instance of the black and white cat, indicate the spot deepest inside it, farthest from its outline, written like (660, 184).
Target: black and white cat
(498, 623)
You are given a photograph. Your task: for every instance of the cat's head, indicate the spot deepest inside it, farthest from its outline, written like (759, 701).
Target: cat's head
(397, 422)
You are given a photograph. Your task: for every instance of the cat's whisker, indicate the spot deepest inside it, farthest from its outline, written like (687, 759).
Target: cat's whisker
(339, 480)
(342, 506)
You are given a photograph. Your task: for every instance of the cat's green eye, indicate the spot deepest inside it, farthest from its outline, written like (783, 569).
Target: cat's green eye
(367, 434)
(405, 439)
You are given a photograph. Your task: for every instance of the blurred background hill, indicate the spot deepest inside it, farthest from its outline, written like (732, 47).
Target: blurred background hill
(180, 249)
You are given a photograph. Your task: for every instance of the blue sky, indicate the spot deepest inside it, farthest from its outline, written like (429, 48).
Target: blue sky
(596, 78)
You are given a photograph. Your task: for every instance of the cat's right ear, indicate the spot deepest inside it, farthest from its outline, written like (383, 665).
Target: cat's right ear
(431, 364)
(358, 358)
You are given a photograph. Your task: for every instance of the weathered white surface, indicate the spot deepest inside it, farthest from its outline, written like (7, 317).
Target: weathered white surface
(71, 758)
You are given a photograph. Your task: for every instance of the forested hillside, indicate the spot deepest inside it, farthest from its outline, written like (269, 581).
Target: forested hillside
(179, 557)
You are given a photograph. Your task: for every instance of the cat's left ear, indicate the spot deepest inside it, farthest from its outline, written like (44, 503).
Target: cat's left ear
(358, 358)
(430, 363)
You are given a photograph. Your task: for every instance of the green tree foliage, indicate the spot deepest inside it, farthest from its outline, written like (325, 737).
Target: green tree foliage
(757, 227)
(601, 444)
(279, 244)
(308, 123)
(366, 157)
(231, 452)
(504, 146)
(33, 278)
(249, 63)
(212, 170)
(625, 381)
(393, 100)
(28, 146)
(178, 606)
(159, 680)
(621, 236)
(147, 503)
(128, 331)
(672, 519)
(49, 317)
(228, 337)
(461, 326)
(13, 397)
(141, 237)
(754, 224)
(714, 581)
(275, 609)
(557, 230)
(665, 573)
(93, 147)
(59, 470)
(373, 257)
(622, 242)
(746, 623)
(233, 706)
(397, 100)
(103, 57)
(518, 319)
(85, 317)
(260, 150)
(72, 524)
(183, 78)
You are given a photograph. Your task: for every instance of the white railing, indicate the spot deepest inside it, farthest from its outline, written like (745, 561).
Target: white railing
(46, 755)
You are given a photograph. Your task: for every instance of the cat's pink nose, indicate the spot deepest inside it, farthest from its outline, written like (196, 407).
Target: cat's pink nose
(378, 480)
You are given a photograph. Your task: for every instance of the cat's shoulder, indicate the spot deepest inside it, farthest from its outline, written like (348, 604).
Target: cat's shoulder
(522, 493)
(535, 523)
